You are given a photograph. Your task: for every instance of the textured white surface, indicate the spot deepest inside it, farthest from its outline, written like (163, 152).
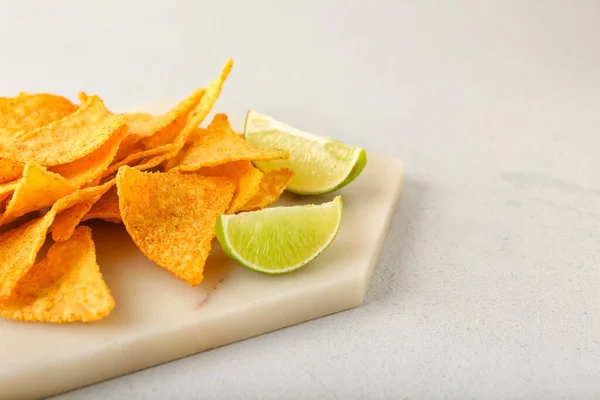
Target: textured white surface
(488, 282)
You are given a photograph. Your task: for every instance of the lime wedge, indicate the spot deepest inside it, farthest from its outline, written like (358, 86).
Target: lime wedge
(320, 164)
(280, 239)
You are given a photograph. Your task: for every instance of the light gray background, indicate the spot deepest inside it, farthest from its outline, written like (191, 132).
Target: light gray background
(488, 285)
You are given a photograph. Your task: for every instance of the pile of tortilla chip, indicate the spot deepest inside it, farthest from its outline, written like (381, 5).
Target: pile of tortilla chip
(164, 177)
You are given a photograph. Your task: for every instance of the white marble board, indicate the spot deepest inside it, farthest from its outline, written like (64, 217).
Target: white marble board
(159, 318)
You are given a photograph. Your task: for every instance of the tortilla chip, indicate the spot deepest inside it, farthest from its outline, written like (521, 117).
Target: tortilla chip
(66, 140)
(3, 201)
(151, 162)
(246, 177)
(7, 188)
(72, 209)
(161, 130)
(6, 191)
(272, 186)
(37, 189)
(10, 170)
(82, 195)
(131, 143)
(146, 164)
(22, 114)
(196, 117)
(133, 159)
(219, 144)
(171, 217)
(90, 168)
(65, 223)
(18, 250)
(19, 246)
(140, 124)
(82, 96)
(66, 286)
(107, 208)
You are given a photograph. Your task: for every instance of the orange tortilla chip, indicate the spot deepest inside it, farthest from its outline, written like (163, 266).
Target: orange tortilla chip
(7, 188)
(246, 177)
(131, 144)
(10, 170)
(272, 186)
(66, 286)
(133, 159)
(82, 195)
(107, 208)
(90, 168)
(146, 164)
(171, 217)
(29, 112)
(151, 162)
(65, 222)
(66, 140)
(19, 246)
(82, 96)
(18, 251)
(72, 209)
(161, 130)
(197, 116)
(37, 189)
(219, 144)
(3, 201)
(140, 124)
(6, 191)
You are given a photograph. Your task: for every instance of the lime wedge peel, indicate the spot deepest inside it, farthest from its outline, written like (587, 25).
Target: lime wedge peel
(320, 164)
(281, 239)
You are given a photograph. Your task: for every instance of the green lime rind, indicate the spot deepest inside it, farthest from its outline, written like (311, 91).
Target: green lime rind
(358, 167)
(321, 165)
(356, 170)
(279, 240)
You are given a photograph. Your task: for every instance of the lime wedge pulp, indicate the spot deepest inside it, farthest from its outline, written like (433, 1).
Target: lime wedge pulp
(320, 164)
(280, 239)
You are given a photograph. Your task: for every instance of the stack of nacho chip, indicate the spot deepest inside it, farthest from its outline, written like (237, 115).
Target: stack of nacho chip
(163, 177)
